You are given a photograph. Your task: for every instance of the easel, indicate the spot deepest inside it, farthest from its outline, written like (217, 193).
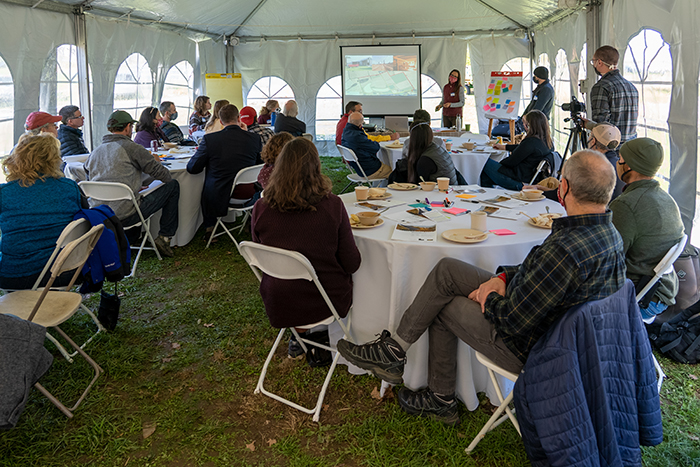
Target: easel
(511, 124)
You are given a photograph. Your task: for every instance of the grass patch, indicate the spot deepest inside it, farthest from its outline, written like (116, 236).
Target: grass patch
(186, 356)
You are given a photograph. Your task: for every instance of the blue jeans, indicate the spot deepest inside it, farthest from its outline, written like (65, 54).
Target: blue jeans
(490, 176)
(654, 308)
(166, 197)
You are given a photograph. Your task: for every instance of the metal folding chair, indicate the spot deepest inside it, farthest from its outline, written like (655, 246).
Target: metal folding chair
(290, 265)
(112, 191)
(243, 177)
(49, 308)
(355, 177)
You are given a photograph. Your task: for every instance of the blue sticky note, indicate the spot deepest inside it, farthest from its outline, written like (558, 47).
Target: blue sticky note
(498, 106)
(418, 205)
(505, 90)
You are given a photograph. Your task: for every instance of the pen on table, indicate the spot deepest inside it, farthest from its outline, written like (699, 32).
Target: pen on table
(427, 202)
(470, 201)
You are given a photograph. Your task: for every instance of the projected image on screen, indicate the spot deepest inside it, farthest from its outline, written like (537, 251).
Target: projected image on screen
(381, 75)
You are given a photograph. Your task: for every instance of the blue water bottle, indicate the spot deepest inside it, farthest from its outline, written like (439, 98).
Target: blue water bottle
(273, 117)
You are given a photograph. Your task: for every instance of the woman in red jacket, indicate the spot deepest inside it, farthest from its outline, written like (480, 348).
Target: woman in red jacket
(452, 101)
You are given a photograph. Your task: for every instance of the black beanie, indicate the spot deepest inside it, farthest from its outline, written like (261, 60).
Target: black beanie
(541, 72)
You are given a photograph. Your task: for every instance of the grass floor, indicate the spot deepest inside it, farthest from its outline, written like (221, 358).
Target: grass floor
(178, 389)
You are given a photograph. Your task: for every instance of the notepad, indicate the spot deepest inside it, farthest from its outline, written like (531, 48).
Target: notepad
(502, 232)
(456, 211)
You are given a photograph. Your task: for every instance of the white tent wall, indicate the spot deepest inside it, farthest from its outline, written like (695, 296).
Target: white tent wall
(306, 65)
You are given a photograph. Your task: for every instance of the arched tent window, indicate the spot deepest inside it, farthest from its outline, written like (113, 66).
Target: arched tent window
(133, 87)
(266, 88)
(59, 80)
(521, 64)
(179, 88)
(543, 60)
(7, 110)
(647, 64)
(432, 94)
(562, 94)
(329, 108)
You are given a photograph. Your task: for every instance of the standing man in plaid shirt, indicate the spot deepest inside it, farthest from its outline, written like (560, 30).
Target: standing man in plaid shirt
(503, 316)
(613, 99)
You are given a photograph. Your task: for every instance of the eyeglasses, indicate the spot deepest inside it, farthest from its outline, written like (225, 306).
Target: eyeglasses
(76, 118)
(599, 60)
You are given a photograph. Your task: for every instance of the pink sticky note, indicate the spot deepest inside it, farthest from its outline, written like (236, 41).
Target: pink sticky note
(502, 232)
(487, 108)
(456, 211)
(491, 86)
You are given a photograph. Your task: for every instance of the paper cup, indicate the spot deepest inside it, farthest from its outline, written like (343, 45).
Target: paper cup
(479, 220)
(467, 127)
(448, 146)
(361, 192)
(443, 183)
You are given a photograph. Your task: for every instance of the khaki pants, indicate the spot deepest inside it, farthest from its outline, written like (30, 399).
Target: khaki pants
(383, 172)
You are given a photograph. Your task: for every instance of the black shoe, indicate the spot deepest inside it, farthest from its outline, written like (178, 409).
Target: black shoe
(384, 357)
(295, 349)
(424, 403)
(163, 245)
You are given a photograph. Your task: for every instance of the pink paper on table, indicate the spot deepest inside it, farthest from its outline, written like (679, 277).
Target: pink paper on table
(502, 232)
(456, 211)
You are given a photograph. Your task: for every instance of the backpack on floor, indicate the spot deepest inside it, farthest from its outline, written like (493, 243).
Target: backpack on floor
(678, 338)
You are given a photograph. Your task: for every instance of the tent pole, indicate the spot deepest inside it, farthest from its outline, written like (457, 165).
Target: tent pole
(593, 42)
(83, 74)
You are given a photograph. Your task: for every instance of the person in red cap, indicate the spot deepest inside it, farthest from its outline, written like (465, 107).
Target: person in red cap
(42, 122)
(250, 118)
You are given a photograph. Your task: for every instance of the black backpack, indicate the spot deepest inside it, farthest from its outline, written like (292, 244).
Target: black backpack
(678, 337)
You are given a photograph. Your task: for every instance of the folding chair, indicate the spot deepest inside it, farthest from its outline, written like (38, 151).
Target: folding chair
(497, 418)
(50, 308)
(308, 136)
(290, 265)
(355, 177)
(549, 165)
(665, 266)
(113, 191)
(243, 177)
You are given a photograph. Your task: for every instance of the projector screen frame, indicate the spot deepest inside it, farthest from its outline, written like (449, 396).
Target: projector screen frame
(381, 114)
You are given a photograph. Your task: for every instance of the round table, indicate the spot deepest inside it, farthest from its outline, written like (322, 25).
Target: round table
(469, 163)
(392, 272)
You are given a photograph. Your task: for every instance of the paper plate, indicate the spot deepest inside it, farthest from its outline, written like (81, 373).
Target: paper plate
(361, 226)
(465, 235)
(384, 196)
(534, 224)
(521, 198)
(403, 186)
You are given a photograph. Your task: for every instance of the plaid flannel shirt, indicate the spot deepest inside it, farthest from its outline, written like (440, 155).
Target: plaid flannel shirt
(615, 100)
(172, 132)
(265, 133)
(582, 260)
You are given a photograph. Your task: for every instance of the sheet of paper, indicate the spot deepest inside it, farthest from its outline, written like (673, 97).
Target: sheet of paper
(500, 213)
(436, 216)
(411, 232)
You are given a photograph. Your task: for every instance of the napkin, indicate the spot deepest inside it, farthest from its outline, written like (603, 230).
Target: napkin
(502, 232)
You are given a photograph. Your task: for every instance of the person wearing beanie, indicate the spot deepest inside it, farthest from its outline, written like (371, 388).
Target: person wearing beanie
(542, 100)
(648, 220)
(250, 118)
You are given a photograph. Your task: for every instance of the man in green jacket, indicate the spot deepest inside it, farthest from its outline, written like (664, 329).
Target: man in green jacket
(648, 220)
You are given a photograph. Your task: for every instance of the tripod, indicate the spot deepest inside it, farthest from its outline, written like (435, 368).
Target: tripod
(577, 139)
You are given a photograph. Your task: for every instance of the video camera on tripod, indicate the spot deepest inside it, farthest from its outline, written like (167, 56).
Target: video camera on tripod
(577, 133)
(575, 107)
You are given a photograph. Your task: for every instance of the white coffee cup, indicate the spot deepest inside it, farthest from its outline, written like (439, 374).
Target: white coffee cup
(443, 183)
(361, 192)
(479, 220)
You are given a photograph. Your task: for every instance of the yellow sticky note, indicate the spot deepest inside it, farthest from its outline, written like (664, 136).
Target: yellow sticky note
(466, 196)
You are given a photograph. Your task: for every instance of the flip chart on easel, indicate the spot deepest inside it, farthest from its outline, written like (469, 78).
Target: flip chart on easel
(503, 95)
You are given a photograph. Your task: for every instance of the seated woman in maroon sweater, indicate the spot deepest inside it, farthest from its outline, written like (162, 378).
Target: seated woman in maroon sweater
(298, 212)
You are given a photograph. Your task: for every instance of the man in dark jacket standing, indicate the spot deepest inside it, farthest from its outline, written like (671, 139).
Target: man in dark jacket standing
(69, 134)
(502, 316)
(224, 153)
(542, 100)
(355, 138)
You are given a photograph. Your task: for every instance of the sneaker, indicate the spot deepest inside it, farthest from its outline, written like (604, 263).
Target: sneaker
(163, 245)
(295, 349)
(424, 403)
(384, 357)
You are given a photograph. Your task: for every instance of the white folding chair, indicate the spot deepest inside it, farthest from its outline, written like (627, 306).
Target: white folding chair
(497, 418)
(243, 177)
(113, 191)
(290, 265)
(664, 267)
(49, 308)
(355, 177)
(540, 168)
(308, 136)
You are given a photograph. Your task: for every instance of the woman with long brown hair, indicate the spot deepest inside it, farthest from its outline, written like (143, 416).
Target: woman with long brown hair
(36, 203)
(518, 169)
(148, 128)
(426, 159)
(214, 124)
(298, 206)
(201, 114)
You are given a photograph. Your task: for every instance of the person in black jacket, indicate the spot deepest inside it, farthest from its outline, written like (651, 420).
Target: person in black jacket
(69, 134)
(542, 100)
(224, 153)
(288, 121)
(519, 168)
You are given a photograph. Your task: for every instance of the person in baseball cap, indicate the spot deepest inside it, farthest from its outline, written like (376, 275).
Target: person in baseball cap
(119, 120)
(249, 116)
(42, 122)
(605, 138)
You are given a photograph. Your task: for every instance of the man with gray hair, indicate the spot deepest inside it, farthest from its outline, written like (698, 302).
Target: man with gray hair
(502, 316)
(288, 121)
(41, 122)
(69, 134)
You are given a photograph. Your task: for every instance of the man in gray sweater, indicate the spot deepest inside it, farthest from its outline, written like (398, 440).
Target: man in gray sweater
(648, 220)
(119, 159)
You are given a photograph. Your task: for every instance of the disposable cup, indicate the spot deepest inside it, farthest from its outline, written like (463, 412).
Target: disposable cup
(361, 192)
(479, 220)
(443, 183)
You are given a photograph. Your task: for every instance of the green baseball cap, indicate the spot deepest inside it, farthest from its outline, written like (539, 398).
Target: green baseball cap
(120, 117)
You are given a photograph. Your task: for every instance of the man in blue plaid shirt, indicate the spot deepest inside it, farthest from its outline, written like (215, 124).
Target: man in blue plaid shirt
(503, 316)
(613, 99)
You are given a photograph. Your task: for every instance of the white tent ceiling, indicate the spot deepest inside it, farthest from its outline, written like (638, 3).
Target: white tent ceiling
(253, 19)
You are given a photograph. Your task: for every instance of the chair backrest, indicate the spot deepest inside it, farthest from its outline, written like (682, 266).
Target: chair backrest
(71, 232)
(247, 175)
(349, 156)
(308, 136)
(665, 266)
(287, 265)
(72, 256)
(107, 191)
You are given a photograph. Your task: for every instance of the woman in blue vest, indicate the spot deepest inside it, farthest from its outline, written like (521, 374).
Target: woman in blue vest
(452, 101)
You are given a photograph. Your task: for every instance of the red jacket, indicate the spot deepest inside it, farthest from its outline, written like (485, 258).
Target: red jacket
(340, 127)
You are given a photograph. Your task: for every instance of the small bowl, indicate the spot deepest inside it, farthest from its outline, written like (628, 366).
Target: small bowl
(469, 146)
(531, 194)
(368, 217)
(170, 145)
(428, 186)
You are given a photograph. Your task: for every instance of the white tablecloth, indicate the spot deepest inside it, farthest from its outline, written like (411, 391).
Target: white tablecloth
(469, 163)
(392, 272)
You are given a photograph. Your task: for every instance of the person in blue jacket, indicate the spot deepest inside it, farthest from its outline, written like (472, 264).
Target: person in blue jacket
(355, 138)
(36, 204)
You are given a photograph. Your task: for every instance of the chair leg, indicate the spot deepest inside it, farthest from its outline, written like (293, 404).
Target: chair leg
(346, 187)
(150, 239)
(259, 387)
(245, 218)
(211, 236)
(138, 256)
(60, 347)
(497, 418)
